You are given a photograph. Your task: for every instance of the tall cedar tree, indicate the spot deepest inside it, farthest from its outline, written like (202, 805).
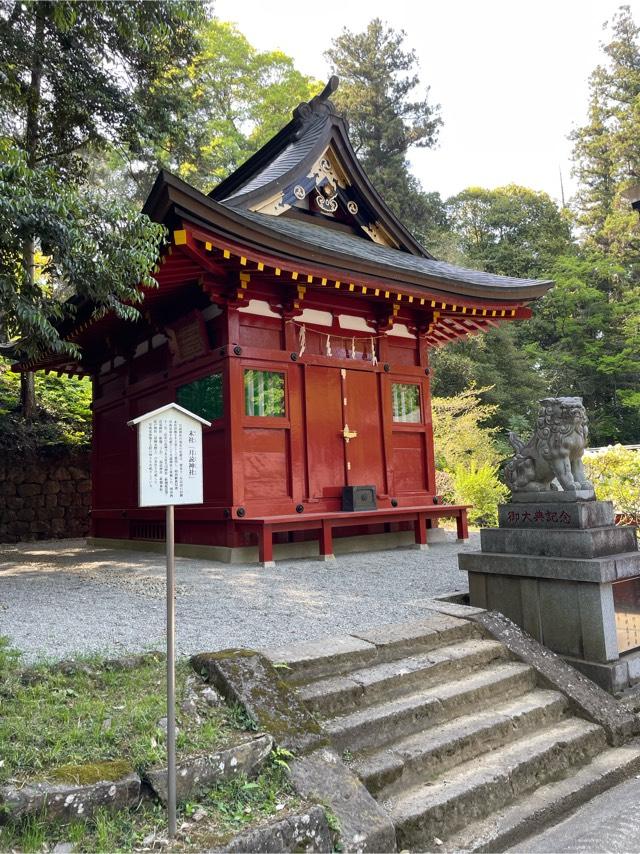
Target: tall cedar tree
(377, 82)
(607, 148)
(77, 75)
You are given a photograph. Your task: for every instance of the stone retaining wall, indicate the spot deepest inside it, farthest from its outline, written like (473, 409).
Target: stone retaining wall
(44, 497)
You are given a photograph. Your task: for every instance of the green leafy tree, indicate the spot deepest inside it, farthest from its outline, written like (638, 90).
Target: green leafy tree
(606, 150)
(512, 231)
(479, 486)
(461, 431)
(72, 73)
(615, 473)
(467, 454)
(509, 231)
(387, 116)
(585, 335)
(92, 249)
(230, 99)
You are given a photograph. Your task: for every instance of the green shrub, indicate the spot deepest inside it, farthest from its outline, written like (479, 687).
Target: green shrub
(63, 416)
(479, 486)
(460, 433)
(615, 474)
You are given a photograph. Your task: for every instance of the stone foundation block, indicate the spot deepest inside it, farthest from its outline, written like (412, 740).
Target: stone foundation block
(601, 570)
(548, 515)
(572, 543)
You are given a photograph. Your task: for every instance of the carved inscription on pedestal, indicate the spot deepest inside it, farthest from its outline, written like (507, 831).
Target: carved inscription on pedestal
(626, 603)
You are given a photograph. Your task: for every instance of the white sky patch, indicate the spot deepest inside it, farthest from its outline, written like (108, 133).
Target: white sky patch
(511, 76)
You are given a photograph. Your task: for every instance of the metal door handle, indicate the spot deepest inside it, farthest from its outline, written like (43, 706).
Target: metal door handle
(348, 434)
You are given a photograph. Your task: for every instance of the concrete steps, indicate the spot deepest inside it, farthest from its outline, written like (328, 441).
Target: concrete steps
(505, 828)
(429, 753)
(476, 788)
(390, 720)
(455, 739)
(365, 686)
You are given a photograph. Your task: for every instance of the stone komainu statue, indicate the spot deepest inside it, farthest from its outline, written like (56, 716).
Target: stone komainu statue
(554, 451)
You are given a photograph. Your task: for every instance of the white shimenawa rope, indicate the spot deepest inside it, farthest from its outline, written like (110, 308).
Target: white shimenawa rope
(302, 338)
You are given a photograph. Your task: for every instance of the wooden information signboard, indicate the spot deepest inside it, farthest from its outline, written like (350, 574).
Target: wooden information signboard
(170, 473)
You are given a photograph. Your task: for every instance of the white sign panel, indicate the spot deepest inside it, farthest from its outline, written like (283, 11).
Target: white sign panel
(169, 457)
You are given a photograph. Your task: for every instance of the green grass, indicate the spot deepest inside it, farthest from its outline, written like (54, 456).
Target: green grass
(61, 726)
(94, 716)
(229, 809)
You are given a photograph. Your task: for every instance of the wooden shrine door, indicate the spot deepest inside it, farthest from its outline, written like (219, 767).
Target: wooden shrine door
(340, 403)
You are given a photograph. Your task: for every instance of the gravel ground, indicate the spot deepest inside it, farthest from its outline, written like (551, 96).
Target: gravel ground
(62, 598)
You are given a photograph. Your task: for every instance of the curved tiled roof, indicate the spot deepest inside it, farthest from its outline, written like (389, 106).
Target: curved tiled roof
(294, 154)
(384, 256)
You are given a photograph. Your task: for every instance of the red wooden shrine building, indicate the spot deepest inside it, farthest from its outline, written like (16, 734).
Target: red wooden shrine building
(296, 313)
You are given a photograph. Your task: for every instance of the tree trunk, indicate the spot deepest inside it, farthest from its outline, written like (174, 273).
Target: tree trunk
(27, 395)
(27, 379)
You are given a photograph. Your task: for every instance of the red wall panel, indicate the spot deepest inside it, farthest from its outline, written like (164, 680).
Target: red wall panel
(409, 462)
(266, 463)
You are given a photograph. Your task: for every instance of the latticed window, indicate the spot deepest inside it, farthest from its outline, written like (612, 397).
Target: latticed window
(203, 397)
(406, 403)
(264, 393)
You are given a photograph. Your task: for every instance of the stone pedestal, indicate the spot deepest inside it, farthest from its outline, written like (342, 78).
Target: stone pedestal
(554, 566)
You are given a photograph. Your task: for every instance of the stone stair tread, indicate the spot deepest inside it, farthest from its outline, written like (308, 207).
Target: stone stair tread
(546, 805)
(507, 721)
(496, 767)
(312, 660)
(427, 696)
(376, 674)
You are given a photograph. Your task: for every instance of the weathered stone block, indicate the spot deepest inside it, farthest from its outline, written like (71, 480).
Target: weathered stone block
(68, 801)
(597, 622)
(50, 487)
(196, 773)
(560, 617)
(601, 570)
(585, 697)
(573, 543)
(503, 594)
(307, 831)
(26, 490)
(83, 486)
(247, 677)
(399, 639)
(77, 473)
(38, 528)
(581, 514)
(364, 825)
(550, 496)
(325, 657)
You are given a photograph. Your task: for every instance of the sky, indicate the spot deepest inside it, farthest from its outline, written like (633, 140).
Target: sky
(511, 76)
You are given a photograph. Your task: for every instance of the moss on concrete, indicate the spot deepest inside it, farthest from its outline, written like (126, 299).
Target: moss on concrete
(93, 772)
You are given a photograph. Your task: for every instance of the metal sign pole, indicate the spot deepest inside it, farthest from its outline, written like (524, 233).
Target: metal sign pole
(170, 473)
(171, 674)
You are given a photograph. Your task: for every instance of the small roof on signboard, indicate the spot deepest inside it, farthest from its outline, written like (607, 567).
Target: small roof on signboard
(165, 408)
